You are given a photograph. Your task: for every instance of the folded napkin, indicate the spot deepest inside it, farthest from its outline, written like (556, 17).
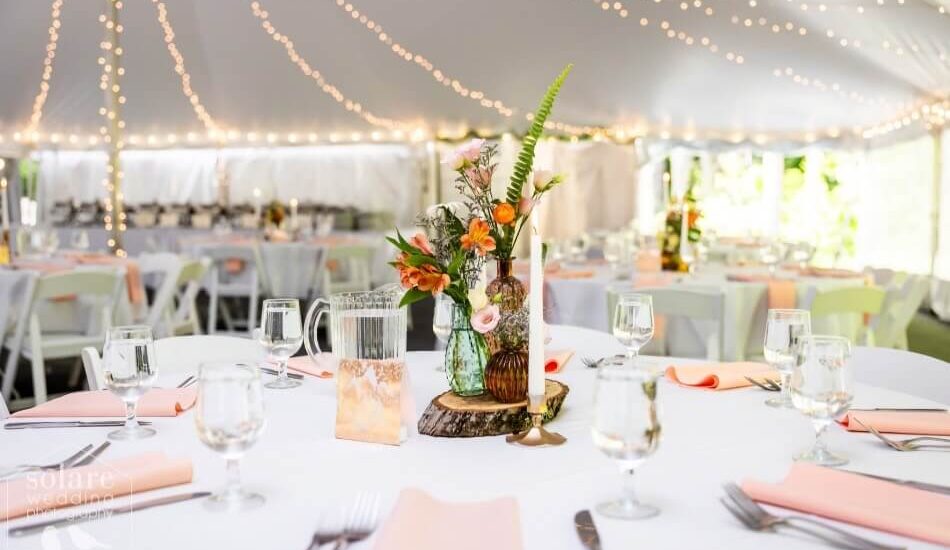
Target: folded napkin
(157, 402)
(899, 422)
(782, 292)
(648, 261)
(324, 367)
(42, 491)
(860, 500)
(233, 266)
(554, 361)
(420, 522)
(571, 274)
(830, 272)
(719, 376)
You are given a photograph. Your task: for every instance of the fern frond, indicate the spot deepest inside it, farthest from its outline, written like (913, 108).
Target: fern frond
(526, 157)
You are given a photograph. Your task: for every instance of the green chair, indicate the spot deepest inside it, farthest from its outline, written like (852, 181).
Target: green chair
(903, 299)
(851, 312)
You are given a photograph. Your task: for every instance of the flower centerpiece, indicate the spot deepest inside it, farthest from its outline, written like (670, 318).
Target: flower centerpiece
(449, 256)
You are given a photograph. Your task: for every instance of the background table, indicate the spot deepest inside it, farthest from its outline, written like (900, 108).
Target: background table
(708, 438)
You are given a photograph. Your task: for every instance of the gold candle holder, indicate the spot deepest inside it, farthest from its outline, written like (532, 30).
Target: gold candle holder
(536, 435)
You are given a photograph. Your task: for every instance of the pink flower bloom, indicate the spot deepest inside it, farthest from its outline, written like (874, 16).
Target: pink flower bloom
(486, 319)
(471, 150)
(526, 205)
(422, 243)
(456, 162)
(480, 178)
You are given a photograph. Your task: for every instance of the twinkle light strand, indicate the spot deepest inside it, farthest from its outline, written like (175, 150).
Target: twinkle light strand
(200, 111)
(438, 74)
(322, 83)
(933, 114)
(40, 100)
(114, 219)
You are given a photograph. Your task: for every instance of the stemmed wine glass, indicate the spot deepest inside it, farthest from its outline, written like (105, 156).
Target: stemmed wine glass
(282, 335)
(615, 253)
(130, 369)
(822, 389)
(771, 254)
(633, 323)
(442, 322)
(785, 331)
(627, 429)
(229, 417)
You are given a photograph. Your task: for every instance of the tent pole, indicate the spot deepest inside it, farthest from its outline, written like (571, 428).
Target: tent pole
(115, 213)
(937, 192)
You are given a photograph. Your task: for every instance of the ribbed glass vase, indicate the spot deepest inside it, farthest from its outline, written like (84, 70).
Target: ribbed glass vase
(466, 355)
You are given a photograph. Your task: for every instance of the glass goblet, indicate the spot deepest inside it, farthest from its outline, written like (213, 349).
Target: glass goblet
(282, 335)
(130, 369)
(785, 331)
(822, 389)
(633, 323)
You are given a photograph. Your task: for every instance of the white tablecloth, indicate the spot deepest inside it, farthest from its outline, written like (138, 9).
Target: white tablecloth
(708, 438)
(583, 302)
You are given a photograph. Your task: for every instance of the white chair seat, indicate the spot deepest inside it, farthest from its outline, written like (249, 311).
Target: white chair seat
(903, 371)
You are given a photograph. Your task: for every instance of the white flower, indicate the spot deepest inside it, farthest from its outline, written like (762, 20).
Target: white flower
(545, 179)
(478, 297)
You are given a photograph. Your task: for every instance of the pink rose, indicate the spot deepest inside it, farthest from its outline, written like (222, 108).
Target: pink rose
(422, 243)
(486, 319)
(526, 205)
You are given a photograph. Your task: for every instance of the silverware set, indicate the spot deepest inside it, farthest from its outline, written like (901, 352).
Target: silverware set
(757, 518)
(68, 424)
(766, 384)
(83, 457)
(912, 444)
(356, 524)
(273, 372)
(594, 363)
(190, 381)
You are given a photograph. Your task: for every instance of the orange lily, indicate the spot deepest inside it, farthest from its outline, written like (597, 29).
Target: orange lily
(478, 237)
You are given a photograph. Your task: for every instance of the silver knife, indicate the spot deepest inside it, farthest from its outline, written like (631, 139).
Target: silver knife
(586, 530)
(68, 424)
(903, 409)
(96, 514)
(923, 486)
(293, 375)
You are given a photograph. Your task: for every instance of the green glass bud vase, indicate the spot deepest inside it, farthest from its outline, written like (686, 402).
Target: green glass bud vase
(466, 355)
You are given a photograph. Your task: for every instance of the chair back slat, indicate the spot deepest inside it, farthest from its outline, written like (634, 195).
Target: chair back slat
(89, 283)
(858, 300)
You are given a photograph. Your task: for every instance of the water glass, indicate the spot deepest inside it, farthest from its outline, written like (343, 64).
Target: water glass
(229, 417)
(442, 322)
(785, 331)
(615, 253)
(633, 322)
(822, 389)
(80, 240)
(130, 369)
(282, 335)
(771, 254)
(626, 428)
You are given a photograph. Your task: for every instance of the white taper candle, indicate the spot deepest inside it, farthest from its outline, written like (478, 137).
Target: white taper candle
(536, 319)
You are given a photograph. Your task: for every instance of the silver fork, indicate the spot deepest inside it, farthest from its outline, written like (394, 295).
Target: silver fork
(752, 525)
(763, 520)
(906, 444)
(66, 463)
(187, 382)
(766, 384)
(594, 363)
(357, 524)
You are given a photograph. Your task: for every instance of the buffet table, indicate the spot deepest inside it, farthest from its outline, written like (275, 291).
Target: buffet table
(709, 438)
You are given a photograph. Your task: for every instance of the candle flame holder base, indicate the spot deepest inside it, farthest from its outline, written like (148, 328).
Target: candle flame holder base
(536, 435)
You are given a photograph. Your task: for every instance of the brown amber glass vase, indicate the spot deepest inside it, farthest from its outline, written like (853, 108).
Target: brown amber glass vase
(506, 376)
(512, 294)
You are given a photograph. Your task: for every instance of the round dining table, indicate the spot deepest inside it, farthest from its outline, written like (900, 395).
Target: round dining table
(709, 438)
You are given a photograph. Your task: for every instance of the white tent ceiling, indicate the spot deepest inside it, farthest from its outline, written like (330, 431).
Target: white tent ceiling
(625, 73)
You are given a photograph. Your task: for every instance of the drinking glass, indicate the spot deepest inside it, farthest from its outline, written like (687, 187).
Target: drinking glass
(785, 331)
(822, 389)
(442, 322)
(802, 253)
(80, 240)
(627, 429)
(282, 335)
(633, 322)
(229, 417)
(771, 254)
(130, 369)
(614, 253)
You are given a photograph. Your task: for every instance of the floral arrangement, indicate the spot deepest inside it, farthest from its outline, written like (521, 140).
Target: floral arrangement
(449, 255)
(275, 214)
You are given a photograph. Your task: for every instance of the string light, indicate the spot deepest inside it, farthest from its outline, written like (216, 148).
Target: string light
(40, 100)
(933, 114)
(114, 219)
(387, 40)
(818, 84)
(322, 83)
(183, 74)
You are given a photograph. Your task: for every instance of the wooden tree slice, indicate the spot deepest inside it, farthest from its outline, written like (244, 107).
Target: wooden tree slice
(450, 415)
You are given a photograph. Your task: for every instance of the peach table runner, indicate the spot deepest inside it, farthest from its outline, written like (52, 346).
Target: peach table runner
(97, 482)
(157, 402)
(860, 500)
(899, 422)
(781, 292)
(719, 376)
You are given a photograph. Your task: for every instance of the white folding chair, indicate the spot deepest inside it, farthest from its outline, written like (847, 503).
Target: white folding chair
(183, 354)
(675, 304)
(347, 269)
(903, 371)
(901, 303)
(184, 318)
(233, 274)
(291, 269)
(4, 411)
(160, 272)
(100, 286)
(851, 312)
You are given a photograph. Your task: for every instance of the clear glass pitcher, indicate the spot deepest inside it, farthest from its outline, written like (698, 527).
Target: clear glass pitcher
(363, 325)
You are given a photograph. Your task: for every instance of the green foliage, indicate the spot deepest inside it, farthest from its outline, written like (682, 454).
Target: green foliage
(525, 162)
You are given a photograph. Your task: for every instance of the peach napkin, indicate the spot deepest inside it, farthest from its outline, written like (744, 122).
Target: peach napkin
(899, 422)
(571, 274)
(648, 261)
(719, 376)
(233, 266)
(324, 368)
(860, 500)
(97, 482)
(554, 361)
(157, 402)
(420, 522)
(781, 292)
